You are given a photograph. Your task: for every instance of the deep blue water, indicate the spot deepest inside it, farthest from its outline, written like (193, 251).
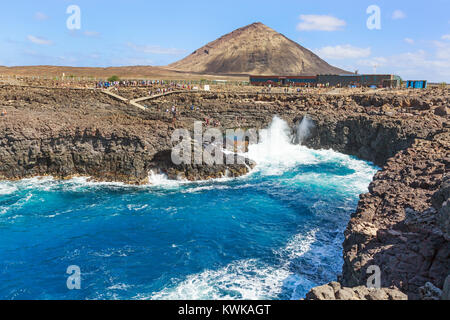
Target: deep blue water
(271, 235)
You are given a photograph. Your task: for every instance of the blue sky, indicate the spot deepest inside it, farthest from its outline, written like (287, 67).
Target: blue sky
(414, 39)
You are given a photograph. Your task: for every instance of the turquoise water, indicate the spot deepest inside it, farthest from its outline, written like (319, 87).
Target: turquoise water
(273, 234)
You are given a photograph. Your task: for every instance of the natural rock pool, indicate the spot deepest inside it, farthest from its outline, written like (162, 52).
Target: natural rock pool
(273, 234)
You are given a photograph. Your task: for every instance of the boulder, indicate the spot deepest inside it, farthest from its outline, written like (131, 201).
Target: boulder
(430, 292)
(334, 291)
(446, 290)
(441, 111)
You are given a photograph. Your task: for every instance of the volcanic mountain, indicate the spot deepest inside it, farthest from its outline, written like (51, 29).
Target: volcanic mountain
(258, 50)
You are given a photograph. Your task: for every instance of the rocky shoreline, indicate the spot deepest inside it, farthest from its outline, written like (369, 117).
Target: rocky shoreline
(401, 225)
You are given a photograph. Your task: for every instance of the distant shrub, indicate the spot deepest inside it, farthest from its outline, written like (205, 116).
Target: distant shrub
(113, 79)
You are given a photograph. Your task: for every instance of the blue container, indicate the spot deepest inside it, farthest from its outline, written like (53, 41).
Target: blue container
(417, 84)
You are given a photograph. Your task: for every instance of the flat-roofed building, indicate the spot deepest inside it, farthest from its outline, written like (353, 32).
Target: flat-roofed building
(330, 80)
(360, 80)
(336, 80)
(295, 81)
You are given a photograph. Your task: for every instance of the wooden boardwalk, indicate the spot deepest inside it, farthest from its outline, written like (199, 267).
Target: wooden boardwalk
(135, 102)
(120, 98)
(159, 95)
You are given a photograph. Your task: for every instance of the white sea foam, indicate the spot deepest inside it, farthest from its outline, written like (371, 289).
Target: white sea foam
(356, 183)
(122, 252)
(36, 183)
(7, 188)
(89, 182)
(247, 278)
(250, 279)
(161, 180)
(119, 286)
(17, 205)
(49, 183)
(136, 207)
(276, 154)
(206, 188)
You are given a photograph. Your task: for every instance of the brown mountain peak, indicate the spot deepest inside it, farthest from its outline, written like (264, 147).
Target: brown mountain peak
(254, 49)
(256, 25)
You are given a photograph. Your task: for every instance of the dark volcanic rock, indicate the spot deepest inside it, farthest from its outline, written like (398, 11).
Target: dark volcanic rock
(395, 226)
(162, 163)
(334, 291)
(441, 111)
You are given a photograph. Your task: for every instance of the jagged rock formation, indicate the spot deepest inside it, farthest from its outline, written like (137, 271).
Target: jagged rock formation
(396, 227)
(162, 163)
(255, 49)
(334, 291)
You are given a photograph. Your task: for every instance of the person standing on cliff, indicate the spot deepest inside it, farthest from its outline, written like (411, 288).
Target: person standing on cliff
(174, 114)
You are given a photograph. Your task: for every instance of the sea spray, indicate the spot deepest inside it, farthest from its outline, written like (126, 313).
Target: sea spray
(304, 129)
(275, 153)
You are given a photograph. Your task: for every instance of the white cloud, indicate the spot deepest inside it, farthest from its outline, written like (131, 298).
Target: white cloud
(372, 62)
(39, 41)
(446, 37)
(343, 52)
(155, 49)
(320, 23)
(442, 50)
(398, 14)
(409, 40)
(414, 65)
(40, 16)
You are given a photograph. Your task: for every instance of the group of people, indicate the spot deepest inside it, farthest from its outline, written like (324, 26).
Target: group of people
(160, 91)
(207, 121)
(286, 90)
(266, 90)
(168, 85)
(212, 122)
(174, 112)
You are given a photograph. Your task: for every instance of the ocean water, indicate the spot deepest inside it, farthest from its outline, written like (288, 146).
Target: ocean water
(273, 234)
